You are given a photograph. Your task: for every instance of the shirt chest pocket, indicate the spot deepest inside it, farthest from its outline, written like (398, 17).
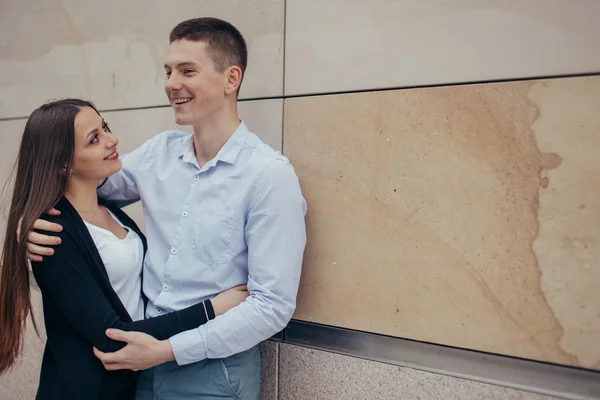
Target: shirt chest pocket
(213, 232)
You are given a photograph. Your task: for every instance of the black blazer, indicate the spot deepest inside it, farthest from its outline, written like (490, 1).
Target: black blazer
(80, 304)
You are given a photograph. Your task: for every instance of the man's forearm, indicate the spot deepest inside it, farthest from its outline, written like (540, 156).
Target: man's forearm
(258, 318)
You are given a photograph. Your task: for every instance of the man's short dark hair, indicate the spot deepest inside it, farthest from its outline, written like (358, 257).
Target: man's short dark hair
(226, 45)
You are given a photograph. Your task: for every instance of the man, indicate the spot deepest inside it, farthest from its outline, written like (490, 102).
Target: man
(221, 208)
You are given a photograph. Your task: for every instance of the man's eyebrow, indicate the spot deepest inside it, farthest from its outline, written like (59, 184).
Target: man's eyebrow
(182, 64)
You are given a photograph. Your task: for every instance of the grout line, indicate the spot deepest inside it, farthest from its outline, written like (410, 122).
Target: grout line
(284, 43)
(6, 119)
(434, 85)
(277, 369)
(105, 110)
(282, 126)
(358, 91)
(283, 76)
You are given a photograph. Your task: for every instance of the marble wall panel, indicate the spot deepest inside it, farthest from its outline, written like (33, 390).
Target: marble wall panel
(112, 52)
(344, 45)
(464, 215)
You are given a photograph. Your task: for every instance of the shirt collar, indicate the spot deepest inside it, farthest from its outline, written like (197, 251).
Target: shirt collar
(187, 149)
(228, 153)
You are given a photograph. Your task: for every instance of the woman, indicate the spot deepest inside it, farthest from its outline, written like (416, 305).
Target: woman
(93, 281)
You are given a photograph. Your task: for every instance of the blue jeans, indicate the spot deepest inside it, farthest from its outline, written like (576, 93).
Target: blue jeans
(236, 377)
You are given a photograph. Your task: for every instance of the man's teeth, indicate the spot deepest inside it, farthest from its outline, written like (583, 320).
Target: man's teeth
(182, 100)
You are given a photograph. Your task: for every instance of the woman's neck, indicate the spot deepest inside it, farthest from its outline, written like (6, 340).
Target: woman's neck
(83, 196)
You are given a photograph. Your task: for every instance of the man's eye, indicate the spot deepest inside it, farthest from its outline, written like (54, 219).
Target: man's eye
(188, 71)
(168, 73)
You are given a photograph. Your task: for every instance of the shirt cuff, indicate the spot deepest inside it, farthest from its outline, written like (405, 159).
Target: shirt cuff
(189, 346)
(210, 311)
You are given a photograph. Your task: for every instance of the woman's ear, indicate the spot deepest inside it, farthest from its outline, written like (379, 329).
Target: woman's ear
(63, 171)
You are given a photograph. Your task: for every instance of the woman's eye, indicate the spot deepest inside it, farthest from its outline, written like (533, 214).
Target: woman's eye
(105, 128)
(94, 139)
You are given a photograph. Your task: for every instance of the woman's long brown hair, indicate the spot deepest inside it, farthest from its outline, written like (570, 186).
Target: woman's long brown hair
(42, 169)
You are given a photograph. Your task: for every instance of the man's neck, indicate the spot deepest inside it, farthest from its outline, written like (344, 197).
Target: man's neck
(211, 136)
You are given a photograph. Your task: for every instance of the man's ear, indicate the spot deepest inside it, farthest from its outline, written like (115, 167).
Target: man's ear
(234, 79)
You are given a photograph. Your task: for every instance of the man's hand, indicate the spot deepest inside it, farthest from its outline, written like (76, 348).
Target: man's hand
(142, 351)
(36, 242)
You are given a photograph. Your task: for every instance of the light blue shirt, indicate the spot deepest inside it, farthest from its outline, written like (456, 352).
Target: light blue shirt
(238, 219)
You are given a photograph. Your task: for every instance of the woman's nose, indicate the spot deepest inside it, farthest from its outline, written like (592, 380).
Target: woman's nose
(112, 142)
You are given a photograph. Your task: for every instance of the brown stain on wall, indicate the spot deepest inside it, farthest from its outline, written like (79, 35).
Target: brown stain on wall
(550, 161)
(567, 243)
(423, 210)
(513, 153)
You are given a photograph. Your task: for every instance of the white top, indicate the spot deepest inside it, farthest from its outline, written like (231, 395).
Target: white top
(123, 260)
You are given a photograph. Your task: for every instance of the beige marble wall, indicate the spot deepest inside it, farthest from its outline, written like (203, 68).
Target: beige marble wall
(10, 132)
(319, 375)
(461, 215)
(343, 45)
(112, 52)
(269, 351)
(132, 127)
(465, 215)
(21, 382)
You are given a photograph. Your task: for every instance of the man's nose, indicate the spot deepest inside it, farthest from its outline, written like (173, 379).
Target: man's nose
(173, 83)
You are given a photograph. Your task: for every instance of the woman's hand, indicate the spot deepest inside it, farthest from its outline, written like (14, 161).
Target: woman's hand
(228, 299)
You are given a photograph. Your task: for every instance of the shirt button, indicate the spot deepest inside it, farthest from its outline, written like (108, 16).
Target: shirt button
(184, 214)
(173, 251)
(158, 310)
(196, 177)
(165, 287)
